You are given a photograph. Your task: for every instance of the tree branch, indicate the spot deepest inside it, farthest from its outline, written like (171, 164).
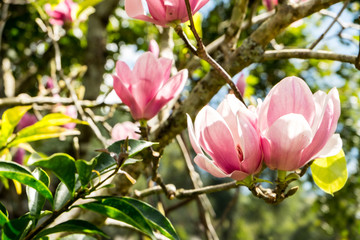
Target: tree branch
(307, 54)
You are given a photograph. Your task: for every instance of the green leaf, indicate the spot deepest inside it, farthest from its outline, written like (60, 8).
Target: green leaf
(157, 220)
(105, 161)
(35, 133)
(15, 229)
(17, 172)
(85, 4)
(84, 169)
(330, 174)
(10, 119)
(120, 210)
(3, 215)
(73, 226)
(63, 166)
(35, 200)
(62, 194)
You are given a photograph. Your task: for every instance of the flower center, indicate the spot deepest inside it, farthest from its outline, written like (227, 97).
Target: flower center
(239, 153)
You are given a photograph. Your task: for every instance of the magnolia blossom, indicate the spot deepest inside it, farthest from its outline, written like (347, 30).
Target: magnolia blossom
(123, 130)
(26, 120)
(61, 13)
(270, 4)
(241, 84)
(147, 88)
(162, 12)
(297, 126)
(154, 48)
(230, 137)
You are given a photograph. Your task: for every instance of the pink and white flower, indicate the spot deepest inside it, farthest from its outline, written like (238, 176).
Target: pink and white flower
(125, 129)
(163, 12)
(229, 136)
(297, 126)
(148, 87)
(62, 13)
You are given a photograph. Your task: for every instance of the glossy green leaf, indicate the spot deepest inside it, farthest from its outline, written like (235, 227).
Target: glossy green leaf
(73, 226)
(17, 172)
(105, 161)
(35, 200)
(120, 210)
(85, 4)
(10, 119)
(36, 133)
(84, 169)
(156, 219)
(330, 174)
(63, 166)
(16, 228)
(62, 194)
(3, 215)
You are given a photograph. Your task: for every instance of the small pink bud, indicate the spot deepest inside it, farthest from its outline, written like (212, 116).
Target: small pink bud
(125, 129)
(62, 12)
(27, 120)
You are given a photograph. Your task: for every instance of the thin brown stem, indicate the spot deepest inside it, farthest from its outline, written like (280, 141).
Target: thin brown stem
(330, 26)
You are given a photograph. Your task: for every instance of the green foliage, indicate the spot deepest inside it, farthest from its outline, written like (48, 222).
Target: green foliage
(63, 166)
(139, 215)
(35, 200)
(73, 226)
(16, 228)
(3, 215)
(84, 169)
(330, 173)
(21, 174)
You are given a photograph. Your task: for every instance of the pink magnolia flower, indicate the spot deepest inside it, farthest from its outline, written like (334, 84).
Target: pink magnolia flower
(270, 4)
(241, 84)
(154, 48)
(19, 156)
(27, 120)
(230, 137)
(147, 88)
(123, 130)
(297, 126)
(162, 12)
(61, 13)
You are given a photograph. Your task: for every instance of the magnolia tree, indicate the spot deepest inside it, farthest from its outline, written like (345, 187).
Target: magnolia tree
(164, 76)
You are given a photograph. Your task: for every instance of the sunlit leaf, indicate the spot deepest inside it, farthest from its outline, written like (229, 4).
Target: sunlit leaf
(35, 200)
(105, 161)
(16, 228)
(85, 4)
(330, 174)
(73, 226)
(3, 215)
(10, 119)
(120, 210)
(84, 169)
(156, 219)
(19, 173)
(62, 165)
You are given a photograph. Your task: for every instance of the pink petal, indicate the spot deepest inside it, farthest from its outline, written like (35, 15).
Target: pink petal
(123, 130)
(127, 98)
(241, 84)
(197, 4)
(284, 142)
(239, 175)
(135, 9)
(193, 138)
(175, 10)
(172, 88)
(149, 79)
(166, 67)
(154, 48)
(250, 146)
(125, 74)
(330, 117)
(332, 147)
(216, 139)
(157, 9)
(206, 164)
(290, 95)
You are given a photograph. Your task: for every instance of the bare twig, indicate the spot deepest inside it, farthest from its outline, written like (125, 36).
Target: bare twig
(330, 26)
(203, 54)
(4, 15)
(307, 54)
(205, 209)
